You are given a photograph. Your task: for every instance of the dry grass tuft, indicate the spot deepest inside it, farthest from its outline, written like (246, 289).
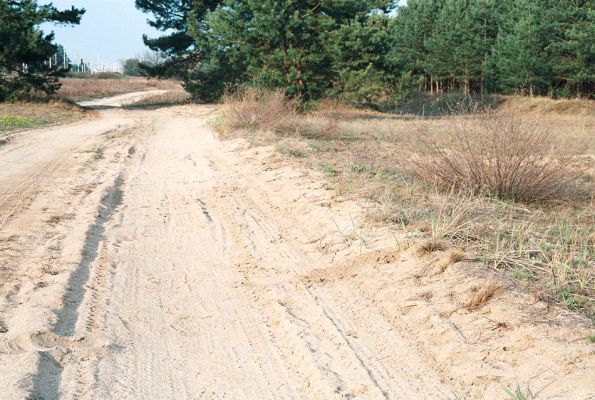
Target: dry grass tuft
(501, 154)
(337, 110)
(479, 298)
(56, 219)
(455, 257)
(254, 108)
(430, 246)
(265, 110)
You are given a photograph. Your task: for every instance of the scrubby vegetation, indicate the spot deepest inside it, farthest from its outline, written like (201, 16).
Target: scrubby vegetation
(513, 189)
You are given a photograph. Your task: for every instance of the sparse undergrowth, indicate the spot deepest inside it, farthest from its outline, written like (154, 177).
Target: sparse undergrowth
(522, 202)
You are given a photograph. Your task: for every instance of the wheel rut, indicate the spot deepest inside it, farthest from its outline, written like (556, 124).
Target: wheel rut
(47, 379)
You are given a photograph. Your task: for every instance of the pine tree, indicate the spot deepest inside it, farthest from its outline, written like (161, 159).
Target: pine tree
(279, 43)
(519, 59)
(171, 17)
(572, 46)
(410, 32)
(361, 62)
(25, 50)
(356, 50)
(131, 67)
(463, 36)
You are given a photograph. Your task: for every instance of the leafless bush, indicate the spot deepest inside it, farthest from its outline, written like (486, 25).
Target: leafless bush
(257, 108)
(501, 154)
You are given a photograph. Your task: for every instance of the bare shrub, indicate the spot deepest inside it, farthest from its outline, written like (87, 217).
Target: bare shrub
(501, 154)
(257, 108)
(271, 111)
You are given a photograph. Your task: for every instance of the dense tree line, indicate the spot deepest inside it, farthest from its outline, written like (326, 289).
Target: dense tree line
(26, 53)
(523, 46)
(361, 50)
(368, 50)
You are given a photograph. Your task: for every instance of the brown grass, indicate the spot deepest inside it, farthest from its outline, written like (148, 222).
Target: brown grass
(456, 257)
(543, 105)
(430, 246)
(253, 108)
(77, 89)
(484, 294)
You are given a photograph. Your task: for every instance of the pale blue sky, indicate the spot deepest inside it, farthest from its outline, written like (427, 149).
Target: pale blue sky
(110, 29)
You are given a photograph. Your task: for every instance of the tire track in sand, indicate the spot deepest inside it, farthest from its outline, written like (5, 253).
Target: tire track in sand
(46, 381)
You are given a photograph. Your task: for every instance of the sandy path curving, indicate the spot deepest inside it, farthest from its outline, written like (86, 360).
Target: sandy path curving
(142, 258)
(121, 99)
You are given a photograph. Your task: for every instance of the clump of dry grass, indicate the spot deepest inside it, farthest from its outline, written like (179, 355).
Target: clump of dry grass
(56, 219)
(430, 246)
(455, 257)
(256, 108)
(500, 154)
(77, 88)
(482, 295)
(548, 105)
(338, 110)
(265, 110)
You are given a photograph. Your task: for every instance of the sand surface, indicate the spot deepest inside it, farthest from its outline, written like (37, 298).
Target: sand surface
(142, 258)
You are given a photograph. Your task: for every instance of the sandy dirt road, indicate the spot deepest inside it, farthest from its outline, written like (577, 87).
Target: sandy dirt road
(142, 258)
